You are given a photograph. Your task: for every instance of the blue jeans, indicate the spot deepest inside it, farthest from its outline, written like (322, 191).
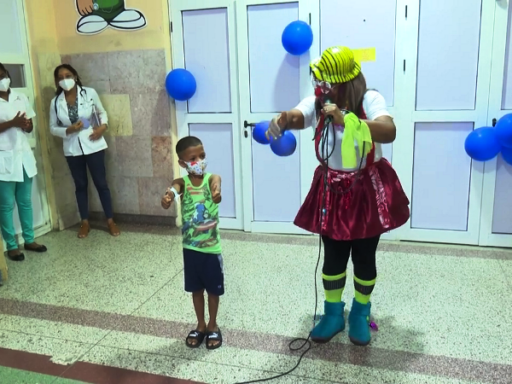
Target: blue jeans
(96, 163)
(21, 194)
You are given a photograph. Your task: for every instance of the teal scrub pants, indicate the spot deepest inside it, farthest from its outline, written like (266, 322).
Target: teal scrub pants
(21, 193)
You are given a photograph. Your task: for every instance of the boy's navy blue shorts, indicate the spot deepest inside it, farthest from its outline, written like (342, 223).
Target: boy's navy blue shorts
(203, 271)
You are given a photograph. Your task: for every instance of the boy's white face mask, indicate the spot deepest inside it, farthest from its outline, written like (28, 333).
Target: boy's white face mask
(196, 167)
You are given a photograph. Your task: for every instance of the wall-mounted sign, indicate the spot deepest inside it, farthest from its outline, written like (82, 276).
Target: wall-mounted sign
(97, 15)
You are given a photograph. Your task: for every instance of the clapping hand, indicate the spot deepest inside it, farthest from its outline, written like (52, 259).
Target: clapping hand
(20, 121)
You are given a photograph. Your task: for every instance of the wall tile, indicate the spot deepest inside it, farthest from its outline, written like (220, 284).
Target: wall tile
(101, 86)
(125, 195)
(119, 114)
(134, 156)
(154, 68)
(90, 66)
(151, 191)
(161, 152)
(151, 114)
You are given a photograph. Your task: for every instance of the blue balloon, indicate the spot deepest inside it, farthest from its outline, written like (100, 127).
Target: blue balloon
(504, 130)
(285, 145)
(297, 38)
(482, 144)
(506, 153)
(180, 84)
(259, 132)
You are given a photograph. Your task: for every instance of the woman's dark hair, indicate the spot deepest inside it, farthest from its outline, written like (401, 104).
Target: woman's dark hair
(60, 90)
(3, 69)
(349, 95)
(70, 69)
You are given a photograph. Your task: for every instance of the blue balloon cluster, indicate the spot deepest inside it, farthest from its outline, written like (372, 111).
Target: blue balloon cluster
(485, 143)
(283, 146)
(180, 84)
(297, 38)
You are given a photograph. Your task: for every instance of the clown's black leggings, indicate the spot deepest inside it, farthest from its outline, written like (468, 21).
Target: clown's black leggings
(337, 254)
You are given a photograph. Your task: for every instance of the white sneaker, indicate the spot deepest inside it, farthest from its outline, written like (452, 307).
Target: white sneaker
(130, 19)
(91, 24)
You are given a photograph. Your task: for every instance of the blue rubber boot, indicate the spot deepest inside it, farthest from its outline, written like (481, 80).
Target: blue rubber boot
(332, 323)
(358, 322)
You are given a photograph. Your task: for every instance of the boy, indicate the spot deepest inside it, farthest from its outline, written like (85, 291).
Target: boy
(200, 195)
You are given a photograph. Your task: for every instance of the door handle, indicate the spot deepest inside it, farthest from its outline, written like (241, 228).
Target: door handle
(247, 124)
(494, 121)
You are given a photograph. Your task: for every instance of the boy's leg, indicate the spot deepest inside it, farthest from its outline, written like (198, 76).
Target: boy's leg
(213, 277)
(193, 284)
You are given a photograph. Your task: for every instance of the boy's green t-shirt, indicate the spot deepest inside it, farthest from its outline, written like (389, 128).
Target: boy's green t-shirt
(200, 216)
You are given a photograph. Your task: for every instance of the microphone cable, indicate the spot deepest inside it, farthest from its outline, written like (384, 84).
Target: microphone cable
(306, 342)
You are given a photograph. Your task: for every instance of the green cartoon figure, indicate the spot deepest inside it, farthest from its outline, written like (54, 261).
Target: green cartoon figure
(100, 14)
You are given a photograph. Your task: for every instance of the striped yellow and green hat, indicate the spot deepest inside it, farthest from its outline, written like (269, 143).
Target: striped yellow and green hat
(336, 65)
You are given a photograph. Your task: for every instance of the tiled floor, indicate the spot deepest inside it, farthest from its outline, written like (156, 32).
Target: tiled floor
(112, 310)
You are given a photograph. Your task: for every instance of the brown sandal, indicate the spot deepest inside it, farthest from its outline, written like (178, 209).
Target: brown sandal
(84, 230)
(113, 229)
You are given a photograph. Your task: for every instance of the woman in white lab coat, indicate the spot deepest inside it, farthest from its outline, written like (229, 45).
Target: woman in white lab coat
(78, 117)
(17, 167)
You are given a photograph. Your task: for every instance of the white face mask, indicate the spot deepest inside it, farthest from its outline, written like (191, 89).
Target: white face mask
(5, 84)
(196, 167)
(67, 84)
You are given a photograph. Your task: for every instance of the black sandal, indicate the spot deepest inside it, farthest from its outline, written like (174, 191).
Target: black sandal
(213, 336)
(40, 249)
(195, 335)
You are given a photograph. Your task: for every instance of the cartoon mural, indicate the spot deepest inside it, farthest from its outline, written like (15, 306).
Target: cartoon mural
(97, 15)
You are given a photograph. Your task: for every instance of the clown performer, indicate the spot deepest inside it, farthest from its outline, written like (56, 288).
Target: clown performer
(100, 14)
(355, 195)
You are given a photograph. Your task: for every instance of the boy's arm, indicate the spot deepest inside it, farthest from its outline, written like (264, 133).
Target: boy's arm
(178, 185)
(215, 187)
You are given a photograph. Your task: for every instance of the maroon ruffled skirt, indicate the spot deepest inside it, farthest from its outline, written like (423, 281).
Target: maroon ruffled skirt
(375, 204)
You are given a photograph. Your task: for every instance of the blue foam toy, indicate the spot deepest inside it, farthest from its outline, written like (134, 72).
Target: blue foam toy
(85, 123)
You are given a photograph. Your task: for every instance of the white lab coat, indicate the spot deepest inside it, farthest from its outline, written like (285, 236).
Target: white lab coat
(15, 151)
(89, 107)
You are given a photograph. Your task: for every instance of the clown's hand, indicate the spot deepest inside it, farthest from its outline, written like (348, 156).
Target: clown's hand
(84, 7)
(277, 126)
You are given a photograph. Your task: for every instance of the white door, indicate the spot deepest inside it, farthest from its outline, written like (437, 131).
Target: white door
(204, 42)
(15, 56)
(496, 228)
(272, 81)
(447, 68)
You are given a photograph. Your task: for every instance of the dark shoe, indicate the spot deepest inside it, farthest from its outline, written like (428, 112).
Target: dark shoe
(38, 249)
(198, 336)
(18, 257)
